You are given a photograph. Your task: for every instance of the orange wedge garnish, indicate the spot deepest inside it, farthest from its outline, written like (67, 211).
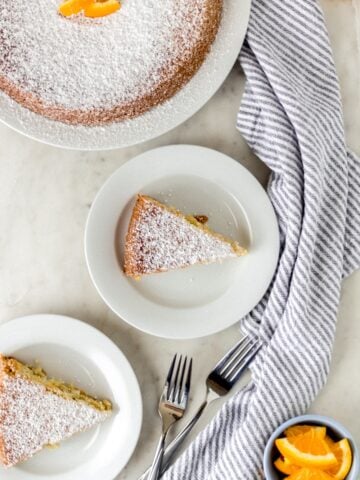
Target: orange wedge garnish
(330, 442)
(285, 467)
(308, 453)
(307, 450)
(73, 7)
(310, 474)
(101, 9)
(301, 429)
(343, 454)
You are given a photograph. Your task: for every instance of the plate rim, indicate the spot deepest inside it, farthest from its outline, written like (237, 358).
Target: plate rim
(18, 126)
(89, 220)
(47, 320)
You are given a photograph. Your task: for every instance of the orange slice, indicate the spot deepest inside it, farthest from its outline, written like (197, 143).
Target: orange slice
(101, 9)
(285, 466)
(301, 429)
(343, 453)
(310, 474)
(307, 450)
(330, 442)
(73, 7)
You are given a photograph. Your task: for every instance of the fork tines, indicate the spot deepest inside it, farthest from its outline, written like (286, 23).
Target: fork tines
(178, 380)
(238, 358)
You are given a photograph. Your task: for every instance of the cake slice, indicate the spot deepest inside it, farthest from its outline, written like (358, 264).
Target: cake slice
(160, 238)
(36, 411)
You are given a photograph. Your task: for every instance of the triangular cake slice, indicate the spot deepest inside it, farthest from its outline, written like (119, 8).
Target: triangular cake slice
(160, 238)
(36, 411)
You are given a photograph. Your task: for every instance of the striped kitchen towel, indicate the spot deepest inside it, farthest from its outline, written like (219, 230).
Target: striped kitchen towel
(291, 116)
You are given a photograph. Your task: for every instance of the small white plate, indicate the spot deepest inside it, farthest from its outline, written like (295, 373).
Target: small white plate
(79, 354)
(157, 121)
(198, 300)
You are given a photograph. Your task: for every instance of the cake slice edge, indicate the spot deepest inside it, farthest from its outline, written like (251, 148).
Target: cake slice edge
(15, 371)
(130, 266)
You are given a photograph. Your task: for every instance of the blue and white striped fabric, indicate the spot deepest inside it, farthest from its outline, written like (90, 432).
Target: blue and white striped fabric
(292, 118)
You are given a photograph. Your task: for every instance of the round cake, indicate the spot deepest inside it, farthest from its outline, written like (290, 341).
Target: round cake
(92, 71)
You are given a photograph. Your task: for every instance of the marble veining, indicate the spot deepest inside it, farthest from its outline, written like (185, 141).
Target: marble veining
(44, 201)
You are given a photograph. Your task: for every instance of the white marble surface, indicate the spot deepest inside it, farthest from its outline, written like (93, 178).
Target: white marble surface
(44, 200)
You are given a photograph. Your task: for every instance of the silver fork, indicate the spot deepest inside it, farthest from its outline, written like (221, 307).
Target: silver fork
(172, 406)
(219, 382)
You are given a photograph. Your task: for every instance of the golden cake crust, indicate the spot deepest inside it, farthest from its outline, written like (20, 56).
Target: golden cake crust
(131, 267)
(167, 87)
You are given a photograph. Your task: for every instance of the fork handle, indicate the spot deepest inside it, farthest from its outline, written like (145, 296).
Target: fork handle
(176, 443)
(159, 454)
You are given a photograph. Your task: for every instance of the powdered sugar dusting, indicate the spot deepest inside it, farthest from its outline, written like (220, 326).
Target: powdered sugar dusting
(31, 417)
(154, 122)
(80, 64)
(160, 240)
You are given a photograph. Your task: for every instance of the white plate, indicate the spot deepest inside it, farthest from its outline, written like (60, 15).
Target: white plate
(158, 120)
(199, 300)
(80, 354)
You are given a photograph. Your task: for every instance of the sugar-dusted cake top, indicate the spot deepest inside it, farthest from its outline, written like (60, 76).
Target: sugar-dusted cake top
(160, 238)
(32, 417)
(83, 63)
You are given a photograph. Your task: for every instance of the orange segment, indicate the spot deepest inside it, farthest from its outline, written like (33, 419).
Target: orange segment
(73, 7)
(310, 474)
(343, 454)
(301, 429)
(330, 442)
(285, 466)
(100, 9)
(307, 450)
